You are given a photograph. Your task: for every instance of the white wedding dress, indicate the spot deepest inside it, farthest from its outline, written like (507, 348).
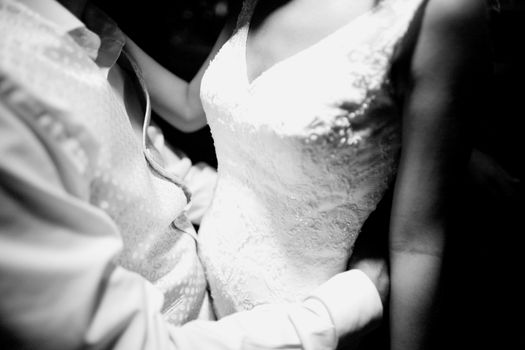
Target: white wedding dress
(305, 152)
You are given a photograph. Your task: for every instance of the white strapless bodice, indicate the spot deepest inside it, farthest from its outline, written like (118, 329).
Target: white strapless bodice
(305, 153)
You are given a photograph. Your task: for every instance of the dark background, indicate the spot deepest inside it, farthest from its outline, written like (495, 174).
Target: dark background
(482, 290)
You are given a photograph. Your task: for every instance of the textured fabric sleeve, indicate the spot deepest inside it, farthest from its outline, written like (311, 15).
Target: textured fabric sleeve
(201, 180)
(344, 305)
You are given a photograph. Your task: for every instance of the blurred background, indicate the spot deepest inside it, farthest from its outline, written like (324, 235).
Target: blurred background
(484, 298)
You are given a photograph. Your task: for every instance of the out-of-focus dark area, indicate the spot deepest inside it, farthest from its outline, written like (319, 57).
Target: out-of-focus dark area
(483, 297)
(488, 308)
(502, 136)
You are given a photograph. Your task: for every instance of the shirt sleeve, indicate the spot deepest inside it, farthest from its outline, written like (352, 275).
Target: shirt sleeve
(200, 178)
(61, 289)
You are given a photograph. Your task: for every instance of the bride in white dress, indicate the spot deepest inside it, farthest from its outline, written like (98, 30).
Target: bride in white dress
(305, 152)
(314, 108)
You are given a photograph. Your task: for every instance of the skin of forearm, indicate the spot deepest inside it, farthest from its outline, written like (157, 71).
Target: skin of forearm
(413, 293)
(170, 95)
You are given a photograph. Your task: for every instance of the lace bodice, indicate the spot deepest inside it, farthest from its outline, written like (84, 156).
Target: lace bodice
(305, 153)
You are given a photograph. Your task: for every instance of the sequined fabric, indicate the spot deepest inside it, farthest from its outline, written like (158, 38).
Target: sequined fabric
(305, 153)
(97, 153)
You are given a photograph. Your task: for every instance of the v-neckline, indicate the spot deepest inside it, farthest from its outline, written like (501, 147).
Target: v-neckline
(301, 52)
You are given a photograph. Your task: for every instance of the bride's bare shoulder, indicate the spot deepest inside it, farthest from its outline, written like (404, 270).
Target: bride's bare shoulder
(451, 32)
(451, 14)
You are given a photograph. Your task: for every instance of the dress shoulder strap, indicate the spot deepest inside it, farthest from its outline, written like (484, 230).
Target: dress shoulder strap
(246, 12)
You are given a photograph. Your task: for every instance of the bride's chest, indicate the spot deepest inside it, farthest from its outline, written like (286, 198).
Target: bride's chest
(296, 96)
(276, 34)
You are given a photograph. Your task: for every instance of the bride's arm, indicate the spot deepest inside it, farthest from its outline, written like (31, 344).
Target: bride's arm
(174, 99)
(445, 89)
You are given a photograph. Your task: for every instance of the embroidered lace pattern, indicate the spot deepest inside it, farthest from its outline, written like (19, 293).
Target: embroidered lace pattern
(305, 153)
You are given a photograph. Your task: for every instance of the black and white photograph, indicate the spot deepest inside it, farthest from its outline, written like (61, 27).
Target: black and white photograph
(262, 174)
